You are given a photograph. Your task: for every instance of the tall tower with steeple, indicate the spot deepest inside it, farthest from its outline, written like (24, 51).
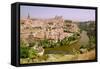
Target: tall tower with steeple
(28, 17)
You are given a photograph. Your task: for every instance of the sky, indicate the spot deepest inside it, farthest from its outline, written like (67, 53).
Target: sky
(50, 12)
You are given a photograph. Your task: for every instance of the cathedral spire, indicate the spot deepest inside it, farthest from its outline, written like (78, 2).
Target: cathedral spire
(28, 16)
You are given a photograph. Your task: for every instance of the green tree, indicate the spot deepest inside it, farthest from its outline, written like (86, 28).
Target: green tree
(24, 51)
(32, 53)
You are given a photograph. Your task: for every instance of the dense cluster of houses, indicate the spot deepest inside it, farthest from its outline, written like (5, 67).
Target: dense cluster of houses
(52, 28)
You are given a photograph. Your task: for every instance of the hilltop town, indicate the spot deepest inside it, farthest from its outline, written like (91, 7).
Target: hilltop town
(53, 28)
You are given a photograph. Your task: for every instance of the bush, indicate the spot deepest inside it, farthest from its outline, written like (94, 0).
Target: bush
(92, 39)
(44, 43)
(23, 44)
(71, 38)
(24, 51)
(32, 53)
(64, 42)
(31, 44)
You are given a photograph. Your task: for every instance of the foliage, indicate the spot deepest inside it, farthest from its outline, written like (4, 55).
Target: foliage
(64, 42)
(72, 38)
(44, 43)
(24, 51)
(32, 53)
(23, 44)
(89, 27)
(31, 44)
(92, 39)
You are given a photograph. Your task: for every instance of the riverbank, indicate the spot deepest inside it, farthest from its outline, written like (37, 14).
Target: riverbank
(90, 55)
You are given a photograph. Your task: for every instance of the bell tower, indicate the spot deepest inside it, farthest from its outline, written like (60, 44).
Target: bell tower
(28, 17)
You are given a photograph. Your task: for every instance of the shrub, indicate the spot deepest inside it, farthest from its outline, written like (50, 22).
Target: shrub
(32, 53)
(23, 44)
(64, 42)
(24, 52)
(31, 44)
(71, 38)
(45, 43)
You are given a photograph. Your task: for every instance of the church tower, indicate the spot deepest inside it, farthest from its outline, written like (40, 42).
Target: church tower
(28, 17)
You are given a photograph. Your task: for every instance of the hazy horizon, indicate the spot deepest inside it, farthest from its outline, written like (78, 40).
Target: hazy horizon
(49, 12)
